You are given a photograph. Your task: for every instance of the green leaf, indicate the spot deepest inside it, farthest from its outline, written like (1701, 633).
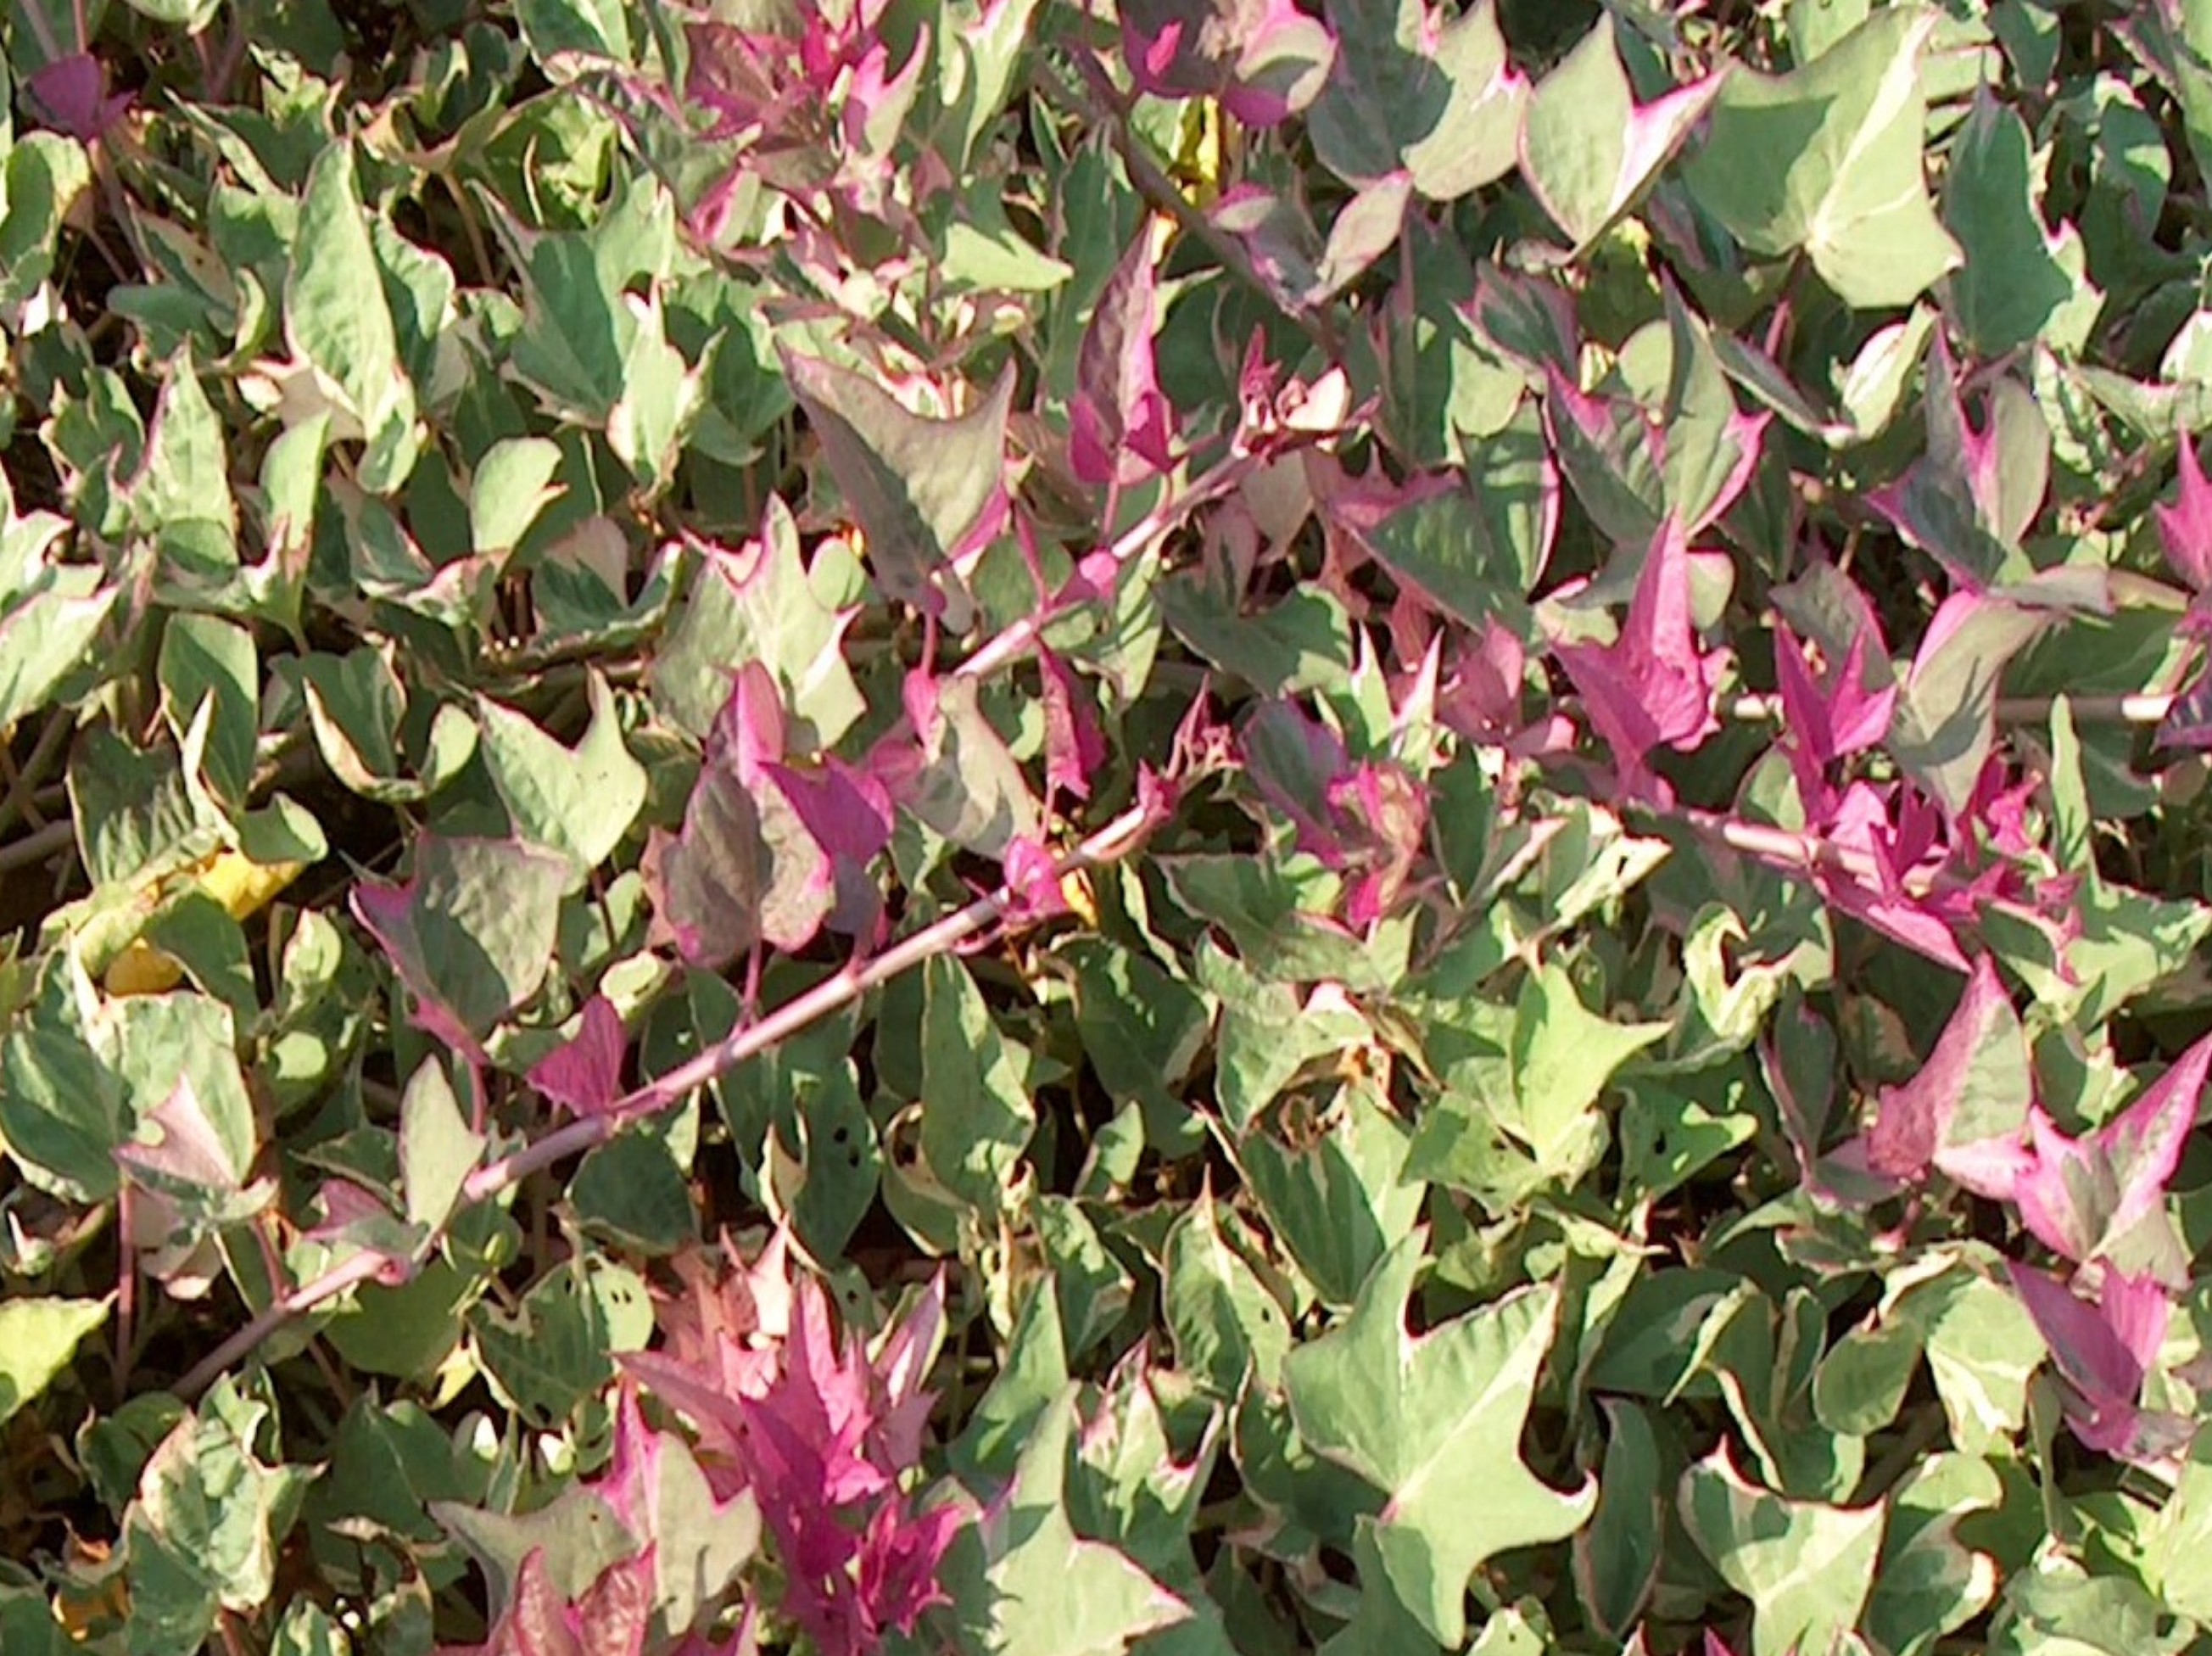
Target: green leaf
(968, 787)
(661, 399)
(633, 1190)
(191, 15)
(308, 1630)
(579, 802)
(1827, 159)
(1224, 1320)
(2178, 1550)
(1434, 1422)
(63, 1113)
(984, 253)
(215, 1512)
(472, 932)
(1618, 1556)
(1032, 1377)
(763, 604)
(917, 486)
(976, 1113)
(1143, 1031)
(1929, 1583)
(53, 613)
(560, 31)
(437, 1149)
(557, 1350)
(1043, 1590)
(37, 1337)
(1809, 1569)
(1946, 716)
(356, 706)
(205, 659)
(1476, 551)
(1449, 113)
(408, 1331)
(1587, 149)
(181, 494)
(1339, 1199)
(2012, 282)
(512, 483)
(825, 1159)
(44, 174)
(1443, 382)
(1563, 1057)
(338, 321)
(1266, 1034)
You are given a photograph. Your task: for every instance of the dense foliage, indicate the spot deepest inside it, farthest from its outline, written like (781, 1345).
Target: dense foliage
(1205, 826)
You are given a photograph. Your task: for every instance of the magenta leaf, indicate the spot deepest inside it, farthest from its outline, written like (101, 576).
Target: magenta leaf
(1366, 820)
(1034, 892)
(1121, 429)
(584, 1073)
(1264, 59)
(2184, 528)
(70, 95)
(353, 1218)
(2103, 1195)
(1654, 687)
(1963, 1113)
(611, 1618)
(1074, 747)
(2103, 1353)
(1845, 706)
(822, 1432)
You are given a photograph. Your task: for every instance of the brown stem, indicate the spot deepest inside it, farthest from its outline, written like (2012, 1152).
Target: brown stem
(21, 792)
(37, 847)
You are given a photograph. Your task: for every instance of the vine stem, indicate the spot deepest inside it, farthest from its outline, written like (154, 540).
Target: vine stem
(856, 978)
(2148, 708)
(1133, 543)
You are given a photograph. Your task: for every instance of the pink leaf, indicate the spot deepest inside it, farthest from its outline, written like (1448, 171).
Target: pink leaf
(1964, 1110)
(820, 1430)
(70, 94)
(1833, 717)
(1074, 749)
(1032, 882)
(1120, 430)
(2186, 527)
(584, 1075)
(2082, 1196)
(1265, 59)
(2102, 1353)
(188, 1151)
(1653, 687)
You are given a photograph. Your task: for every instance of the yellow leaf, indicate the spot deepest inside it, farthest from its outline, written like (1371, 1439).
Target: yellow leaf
(1202, 149)
(243, 886)
(1075, 886)
(141, 969)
